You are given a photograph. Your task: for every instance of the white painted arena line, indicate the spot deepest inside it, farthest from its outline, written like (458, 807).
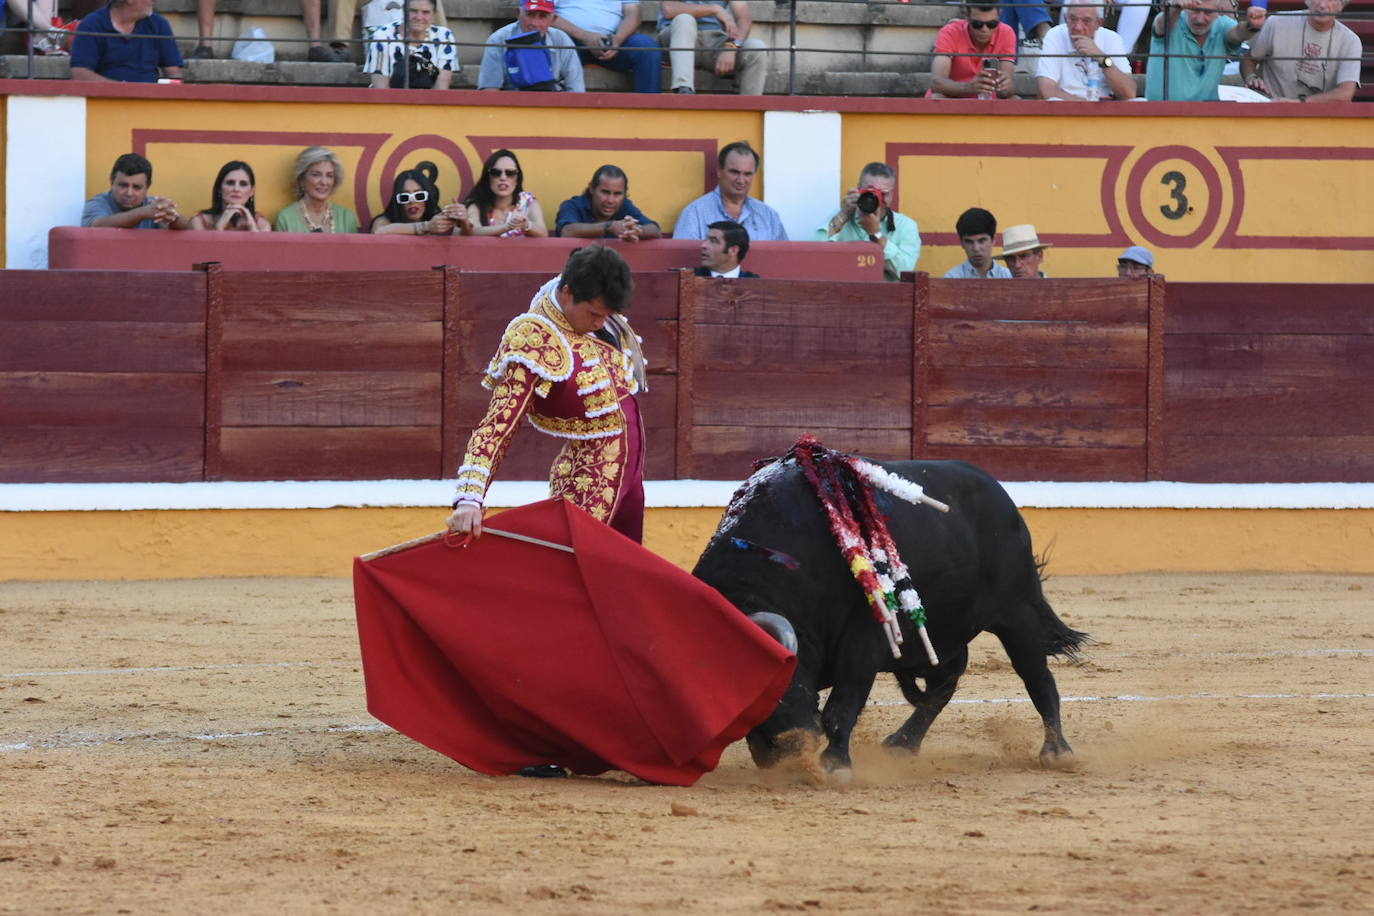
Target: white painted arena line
(166, 668)
(94, 741)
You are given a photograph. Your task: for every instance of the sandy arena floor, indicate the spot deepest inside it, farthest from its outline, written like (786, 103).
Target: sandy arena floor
(169, 747)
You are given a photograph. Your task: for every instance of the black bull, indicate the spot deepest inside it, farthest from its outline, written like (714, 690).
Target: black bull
(972, 566)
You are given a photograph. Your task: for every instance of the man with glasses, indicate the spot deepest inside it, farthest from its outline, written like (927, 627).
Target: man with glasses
(604, 211)
(1135, 263)
(1083, 62)
(1307, 57)
(964, 49)
(1024, 252)
(1194, 51)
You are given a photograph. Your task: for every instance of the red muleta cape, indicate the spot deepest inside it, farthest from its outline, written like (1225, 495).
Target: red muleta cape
(504, 654)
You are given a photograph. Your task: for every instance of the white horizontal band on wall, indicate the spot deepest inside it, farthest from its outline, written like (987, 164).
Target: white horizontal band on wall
(327, 494)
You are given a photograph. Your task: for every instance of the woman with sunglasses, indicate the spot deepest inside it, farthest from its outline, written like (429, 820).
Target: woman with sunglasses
(499, 204)
(414, 207)
(232, 207)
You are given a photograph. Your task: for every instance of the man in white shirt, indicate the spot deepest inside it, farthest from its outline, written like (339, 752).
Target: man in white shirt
(1083, 62)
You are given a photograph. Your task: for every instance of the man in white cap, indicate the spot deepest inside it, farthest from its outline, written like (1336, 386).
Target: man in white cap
(1023, 252)
(1135, 263)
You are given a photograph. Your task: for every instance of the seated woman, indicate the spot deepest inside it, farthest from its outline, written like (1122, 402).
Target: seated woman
(499, 203)
(318, 174)
(432, 49)
(233, 196)
(414, 207)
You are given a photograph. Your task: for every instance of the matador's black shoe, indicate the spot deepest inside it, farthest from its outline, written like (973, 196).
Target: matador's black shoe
(543, 771)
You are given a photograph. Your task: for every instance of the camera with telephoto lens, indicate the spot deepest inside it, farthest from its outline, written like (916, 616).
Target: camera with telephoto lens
(870, 199)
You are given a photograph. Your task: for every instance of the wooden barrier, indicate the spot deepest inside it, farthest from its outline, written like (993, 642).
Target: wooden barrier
(1269, 382)
(102, 376)
(73, 248)
(1041, 381)
(218, 374)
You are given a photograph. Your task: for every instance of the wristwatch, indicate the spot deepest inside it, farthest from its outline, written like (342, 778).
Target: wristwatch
(1107, 63)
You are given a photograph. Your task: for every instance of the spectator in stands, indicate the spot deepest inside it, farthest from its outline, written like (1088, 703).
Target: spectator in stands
(317, 175)
(310, 14)
(341, 14)
(1196, 49)
(736, 168)
(605, 32)
(499, 204)
(414, 207)
(1024, 252)
(1031, 18)
(977, 230)
(232, 208)
(865, 215)
(1083, 62)
(605, 211)
(42, 42)
(964, 46)
(433, 52)
(725, 245)
(1134, 263)
(127, 204)
(136, 59)
(557, 56)
(1295, 65)
(714, 35)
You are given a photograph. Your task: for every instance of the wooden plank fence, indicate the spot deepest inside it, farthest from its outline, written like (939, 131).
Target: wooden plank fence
(246, 375)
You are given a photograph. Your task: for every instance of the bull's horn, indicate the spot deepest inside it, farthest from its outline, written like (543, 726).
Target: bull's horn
(778, 627)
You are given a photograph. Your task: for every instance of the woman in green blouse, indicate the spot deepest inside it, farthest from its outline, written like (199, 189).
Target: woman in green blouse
(318, 173)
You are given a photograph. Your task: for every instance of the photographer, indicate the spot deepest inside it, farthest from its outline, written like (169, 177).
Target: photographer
(865, 216)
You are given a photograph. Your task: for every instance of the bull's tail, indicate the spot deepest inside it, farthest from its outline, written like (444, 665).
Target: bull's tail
(1058, 638)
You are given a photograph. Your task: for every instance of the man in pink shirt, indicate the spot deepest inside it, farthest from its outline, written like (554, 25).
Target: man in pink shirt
(974, 56)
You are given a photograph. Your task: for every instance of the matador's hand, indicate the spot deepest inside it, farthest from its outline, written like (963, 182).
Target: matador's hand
(466, 519)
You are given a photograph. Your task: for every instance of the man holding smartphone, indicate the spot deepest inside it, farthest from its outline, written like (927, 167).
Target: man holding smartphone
(974, 56)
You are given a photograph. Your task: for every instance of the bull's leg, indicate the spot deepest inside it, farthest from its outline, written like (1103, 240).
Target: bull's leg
(1028, 658)
(847, 698)
(927, 703)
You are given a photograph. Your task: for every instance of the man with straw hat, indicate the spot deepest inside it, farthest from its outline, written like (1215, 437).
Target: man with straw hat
(1023, 252)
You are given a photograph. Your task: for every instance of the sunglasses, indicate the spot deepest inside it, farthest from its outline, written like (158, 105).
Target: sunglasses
(504, 173)
(405, 197)
(975, 24)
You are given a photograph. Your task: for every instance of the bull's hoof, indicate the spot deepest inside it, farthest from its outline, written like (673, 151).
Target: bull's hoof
(896, 744)
(1054, 759)
(841, 776)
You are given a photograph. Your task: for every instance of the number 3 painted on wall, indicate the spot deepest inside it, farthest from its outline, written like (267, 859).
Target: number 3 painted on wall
(1180, 208)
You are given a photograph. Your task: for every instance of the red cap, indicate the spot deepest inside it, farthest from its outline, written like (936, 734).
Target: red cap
(545, 6)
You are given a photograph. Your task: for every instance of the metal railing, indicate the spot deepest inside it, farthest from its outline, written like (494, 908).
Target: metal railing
(792, 50)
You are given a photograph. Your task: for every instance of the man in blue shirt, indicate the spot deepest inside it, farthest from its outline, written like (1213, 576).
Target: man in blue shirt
(144, 44)
(605, 31)
(737, 166)
(603, 211)
(1195, 50)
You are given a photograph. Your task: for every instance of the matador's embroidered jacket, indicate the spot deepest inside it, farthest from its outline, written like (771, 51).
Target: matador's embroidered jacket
(570, 385)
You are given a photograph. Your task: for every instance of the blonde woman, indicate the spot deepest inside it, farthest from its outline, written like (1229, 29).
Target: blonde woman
(317, 175)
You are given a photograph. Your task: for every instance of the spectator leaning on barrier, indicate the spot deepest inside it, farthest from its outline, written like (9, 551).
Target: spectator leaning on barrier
(962, 50)
(1305, 58)
(736, 168)
(1024, 252)
(1083, 62)
(605, 33)
(433, 54)
(725, 245)
(605, 211)
(127, 204)
(1195, 49)
(554, 67)
(317, 174)
(864, 215)
(977, 230)
(144, 44)
(1134, 263)
(713, 36)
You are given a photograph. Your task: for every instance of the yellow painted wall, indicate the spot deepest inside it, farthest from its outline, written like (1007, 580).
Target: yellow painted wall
(195, 137)
(322, 542)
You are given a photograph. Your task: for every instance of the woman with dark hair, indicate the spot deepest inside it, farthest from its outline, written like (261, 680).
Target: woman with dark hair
(500, 205)
(232, 208)
(414, 206)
